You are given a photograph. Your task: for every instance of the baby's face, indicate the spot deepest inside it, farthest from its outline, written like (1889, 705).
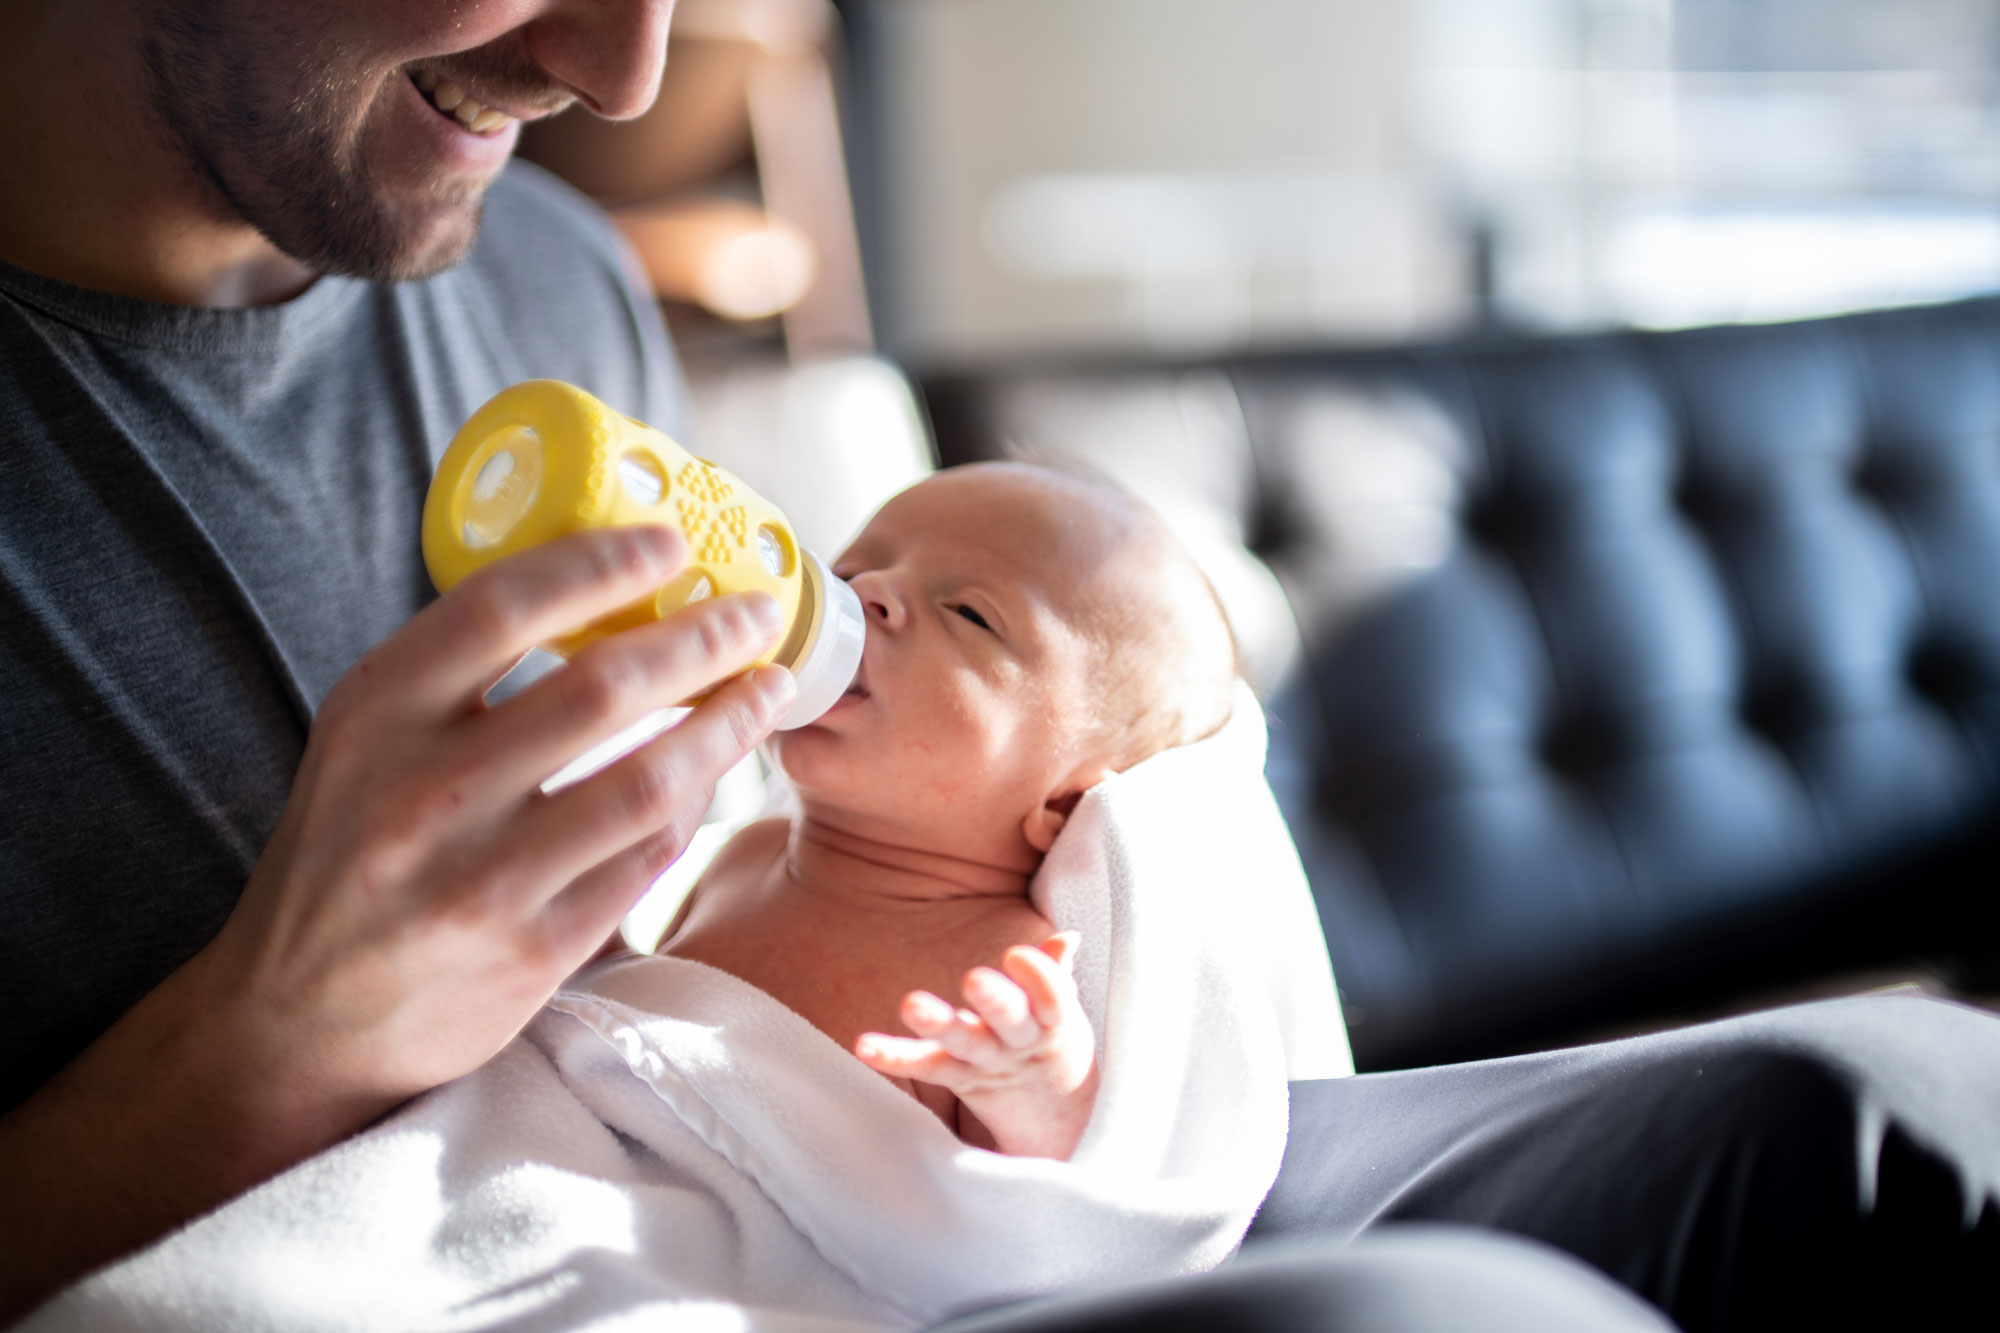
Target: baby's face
(985, 589)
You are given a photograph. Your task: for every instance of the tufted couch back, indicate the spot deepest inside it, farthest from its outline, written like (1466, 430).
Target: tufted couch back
(1632, 670)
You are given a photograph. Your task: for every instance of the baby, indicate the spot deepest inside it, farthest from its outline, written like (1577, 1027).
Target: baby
(1030, 633)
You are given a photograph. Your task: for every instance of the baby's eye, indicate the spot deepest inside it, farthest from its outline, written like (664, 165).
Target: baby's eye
(973, 616)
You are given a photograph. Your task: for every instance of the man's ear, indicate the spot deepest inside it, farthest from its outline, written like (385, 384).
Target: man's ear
(1047, 819)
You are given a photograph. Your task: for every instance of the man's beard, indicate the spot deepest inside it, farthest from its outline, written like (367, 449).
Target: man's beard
(271, 132)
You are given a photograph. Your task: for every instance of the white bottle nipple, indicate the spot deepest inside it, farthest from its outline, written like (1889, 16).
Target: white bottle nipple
(832, 653)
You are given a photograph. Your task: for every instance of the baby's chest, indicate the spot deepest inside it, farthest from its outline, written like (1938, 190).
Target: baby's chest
(850, 977)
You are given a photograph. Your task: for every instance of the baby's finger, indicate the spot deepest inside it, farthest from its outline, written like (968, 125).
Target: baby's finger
(959, 1031)
(925, 1014)
(1061, 946)
(1051, 991)
(1003, 1006)
(904, 1057)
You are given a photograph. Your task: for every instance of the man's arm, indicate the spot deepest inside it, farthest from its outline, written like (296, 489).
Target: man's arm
(420, 900)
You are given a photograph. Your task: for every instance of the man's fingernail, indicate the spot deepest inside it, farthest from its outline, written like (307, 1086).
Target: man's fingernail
(765, 613)
(663, 547)
(774, 686)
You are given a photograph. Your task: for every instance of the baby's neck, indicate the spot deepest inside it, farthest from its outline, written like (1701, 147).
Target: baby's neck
(825, 858)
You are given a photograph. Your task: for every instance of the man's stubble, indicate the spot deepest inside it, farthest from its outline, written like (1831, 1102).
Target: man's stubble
(275, 131)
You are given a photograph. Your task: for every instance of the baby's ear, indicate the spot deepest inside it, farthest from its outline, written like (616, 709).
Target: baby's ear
(1047, 820)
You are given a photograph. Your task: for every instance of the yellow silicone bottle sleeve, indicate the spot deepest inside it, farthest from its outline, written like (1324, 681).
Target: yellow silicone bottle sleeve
(543, 459)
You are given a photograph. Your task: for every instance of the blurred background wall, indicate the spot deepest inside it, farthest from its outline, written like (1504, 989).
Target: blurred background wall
(1195, 176)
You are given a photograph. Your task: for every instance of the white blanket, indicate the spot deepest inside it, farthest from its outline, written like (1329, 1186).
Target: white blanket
(665, 1140)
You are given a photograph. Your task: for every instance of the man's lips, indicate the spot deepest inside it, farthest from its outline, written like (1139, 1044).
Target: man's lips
(471, 108)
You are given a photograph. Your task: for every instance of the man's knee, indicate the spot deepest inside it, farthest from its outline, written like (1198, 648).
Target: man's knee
(1400, 1280)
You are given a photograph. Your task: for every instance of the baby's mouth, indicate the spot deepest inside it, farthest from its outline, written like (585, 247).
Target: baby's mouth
(452, 100)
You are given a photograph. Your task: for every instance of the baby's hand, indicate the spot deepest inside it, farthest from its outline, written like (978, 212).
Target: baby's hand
(1020, 1057)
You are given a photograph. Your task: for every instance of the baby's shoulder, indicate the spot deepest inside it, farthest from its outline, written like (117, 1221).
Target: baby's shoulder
(755, 843)
(745, 858)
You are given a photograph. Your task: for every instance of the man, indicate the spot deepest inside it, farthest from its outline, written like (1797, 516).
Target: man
(230, 332)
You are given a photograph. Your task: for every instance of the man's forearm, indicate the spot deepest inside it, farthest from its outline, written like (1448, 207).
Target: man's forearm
(163, 1118)
(419, 901)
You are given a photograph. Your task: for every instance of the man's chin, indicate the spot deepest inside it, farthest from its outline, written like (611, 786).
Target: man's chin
(437, 248)
(406, 245)
(429, 237)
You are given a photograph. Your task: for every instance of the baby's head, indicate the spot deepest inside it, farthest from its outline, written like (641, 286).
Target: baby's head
(1030, 632)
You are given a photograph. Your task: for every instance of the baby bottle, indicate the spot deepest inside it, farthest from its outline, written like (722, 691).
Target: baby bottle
(545, 458)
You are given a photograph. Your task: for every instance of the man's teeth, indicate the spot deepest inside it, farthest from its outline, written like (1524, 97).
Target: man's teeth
(448, 97)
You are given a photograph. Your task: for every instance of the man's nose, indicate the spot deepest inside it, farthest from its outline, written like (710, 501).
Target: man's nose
(880, 600)
(609, 53)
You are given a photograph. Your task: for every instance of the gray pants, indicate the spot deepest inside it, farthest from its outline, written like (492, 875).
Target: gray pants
(1829, 1166)
(1396, 1280)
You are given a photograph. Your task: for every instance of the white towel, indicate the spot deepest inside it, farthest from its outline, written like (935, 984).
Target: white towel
(1195, 833)
(667, 1140)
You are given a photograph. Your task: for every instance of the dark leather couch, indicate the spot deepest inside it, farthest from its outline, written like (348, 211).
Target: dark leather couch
(1642, 674)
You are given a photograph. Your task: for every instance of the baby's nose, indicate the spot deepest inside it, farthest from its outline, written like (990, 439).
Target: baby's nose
(879, 600)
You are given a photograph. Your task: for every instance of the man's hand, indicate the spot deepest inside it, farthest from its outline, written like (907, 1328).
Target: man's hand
(419, 901)
(421, 898)
(1020, 1056)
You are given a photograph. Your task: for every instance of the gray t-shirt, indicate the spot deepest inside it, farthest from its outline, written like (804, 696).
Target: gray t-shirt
(206, 517)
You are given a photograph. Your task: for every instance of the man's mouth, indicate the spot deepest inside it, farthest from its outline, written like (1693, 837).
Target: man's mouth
(454, 101)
